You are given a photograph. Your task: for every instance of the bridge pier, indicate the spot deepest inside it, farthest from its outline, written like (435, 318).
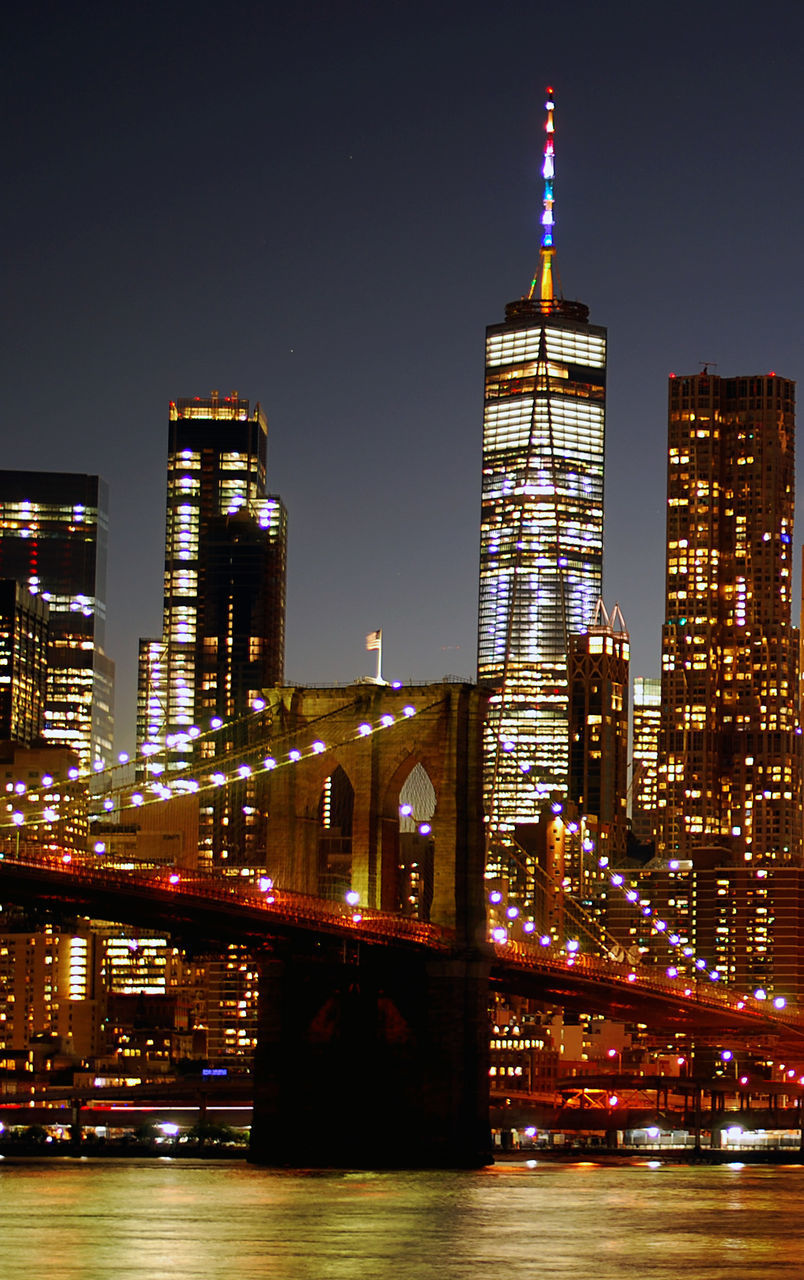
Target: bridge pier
(372, 1059)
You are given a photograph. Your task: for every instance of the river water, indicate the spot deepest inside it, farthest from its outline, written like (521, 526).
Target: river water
(150, 1220)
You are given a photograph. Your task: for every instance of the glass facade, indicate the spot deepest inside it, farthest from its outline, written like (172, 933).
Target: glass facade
(541, 549)
(598, 766)
(224, 560)
(224, 611)
(23, 663)
(645, 751)
(53, 540)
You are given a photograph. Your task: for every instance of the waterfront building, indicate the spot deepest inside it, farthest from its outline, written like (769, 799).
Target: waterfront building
(50, 989)
(53, 540)
(598, 764)
(541, 547)
(645, 717)
(729, 772)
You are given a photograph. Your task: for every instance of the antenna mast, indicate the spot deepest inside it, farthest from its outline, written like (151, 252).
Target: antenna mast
(545, 277)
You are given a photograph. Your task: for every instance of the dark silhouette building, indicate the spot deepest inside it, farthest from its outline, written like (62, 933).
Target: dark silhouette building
(23, 663)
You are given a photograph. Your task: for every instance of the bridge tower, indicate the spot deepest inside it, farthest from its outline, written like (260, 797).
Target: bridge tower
(378, 1055)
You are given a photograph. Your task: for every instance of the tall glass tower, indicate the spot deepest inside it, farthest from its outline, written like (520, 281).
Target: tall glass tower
(541, 548)
(224, 610)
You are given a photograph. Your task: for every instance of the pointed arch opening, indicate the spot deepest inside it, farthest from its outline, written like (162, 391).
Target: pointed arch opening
(417, 806)
(335, 813)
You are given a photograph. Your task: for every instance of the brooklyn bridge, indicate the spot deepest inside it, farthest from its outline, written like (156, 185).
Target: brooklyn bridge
(372, 1010)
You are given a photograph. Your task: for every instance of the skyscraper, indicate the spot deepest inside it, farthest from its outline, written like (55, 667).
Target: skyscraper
(541, 548)
(729, 740)
(224, 611)
(598, 676)
(645, 716)
(53, 538)
(23, 663)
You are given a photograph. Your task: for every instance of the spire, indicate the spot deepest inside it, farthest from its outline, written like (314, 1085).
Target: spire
(545, 276)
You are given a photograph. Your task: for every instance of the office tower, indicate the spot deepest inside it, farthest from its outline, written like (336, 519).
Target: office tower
(23, 663)
(53, 536)
(729, 738)
(541, 547)
(598, 731)
(645, 716)
(223, 630)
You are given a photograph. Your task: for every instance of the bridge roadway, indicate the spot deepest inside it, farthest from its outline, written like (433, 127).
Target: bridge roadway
(216, 911)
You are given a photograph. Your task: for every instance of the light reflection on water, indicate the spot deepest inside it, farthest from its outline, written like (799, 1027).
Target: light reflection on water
(144, 1220)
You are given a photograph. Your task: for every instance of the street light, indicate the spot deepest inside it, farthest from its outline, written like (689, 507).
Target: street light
(618, 1054)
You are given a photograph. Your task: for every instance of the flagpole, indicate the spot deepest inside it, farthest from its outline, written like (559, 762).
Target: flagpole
(379, 660)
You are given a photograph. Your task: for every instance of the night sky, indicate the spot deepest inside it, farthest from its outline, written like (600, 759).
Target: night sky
(322, 205)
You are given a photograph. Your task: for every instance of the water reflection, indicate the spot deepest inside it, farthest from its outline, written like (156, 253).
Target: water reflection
(94, 1220)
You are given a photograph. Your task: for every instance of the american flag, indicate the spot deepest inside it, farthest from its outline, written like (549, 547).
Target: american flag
(374, 639)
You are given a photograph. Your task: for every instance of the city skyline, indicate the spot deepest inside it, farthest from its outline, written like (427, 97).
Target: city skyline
(348, 281)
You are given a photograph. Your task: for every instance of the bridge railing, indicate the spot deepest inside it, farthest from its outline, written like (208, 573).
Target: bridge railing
(283, 904)
(527, 956)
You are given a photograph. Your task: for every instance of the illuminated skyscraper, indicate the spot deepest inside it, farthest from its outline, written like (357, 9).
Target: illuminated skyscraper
(224, 612)
(645, 718)
(541, 549)
(23, 663)
(598, 674)
(729, 740)
(53, 536)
